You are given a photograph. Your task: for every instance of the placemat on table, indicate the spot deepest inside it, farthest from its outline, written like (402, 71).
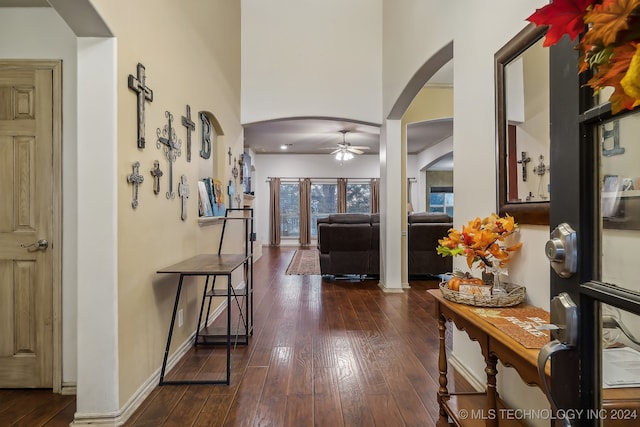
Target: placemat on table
(519, 323)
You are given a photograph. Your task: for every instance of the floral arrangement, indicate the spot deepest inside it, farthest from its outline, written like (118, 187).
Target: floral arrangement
(482, 242)
(610, 42)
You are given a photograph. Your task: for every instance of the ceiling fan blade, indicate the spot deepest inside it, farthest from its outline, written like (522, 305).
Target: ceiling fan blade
(335, 151)
(355, 150)
(360, 147)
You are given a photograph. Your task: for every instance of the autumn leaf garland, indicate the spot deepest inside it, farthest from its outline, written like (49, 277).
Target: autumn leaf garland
(609, 46)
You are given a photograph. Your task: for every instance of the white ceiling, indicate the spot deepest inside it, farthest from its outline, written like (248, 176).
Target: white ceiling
(24, 3)
(320, 135)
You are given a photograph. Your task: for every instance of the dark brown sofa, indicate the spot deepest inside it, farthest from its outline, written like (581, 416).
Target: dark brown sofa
(424, 231)
(349, 244)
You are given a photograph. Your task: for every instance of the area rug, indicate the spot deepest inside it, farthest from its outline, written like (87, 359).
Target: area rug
(304, 262)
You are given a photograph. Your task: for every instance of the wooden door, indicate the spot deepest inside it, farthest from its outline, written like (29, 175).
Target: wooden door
(26, 216)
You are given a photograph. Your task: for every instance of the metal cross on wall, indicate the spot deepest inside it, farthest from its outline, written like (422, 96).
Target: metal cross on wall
(234, 171)
(167, 138)
(183, 192)
(139, 85)
(136, 179)
(156, 173)
(205, 151)
(525, 159)
(191, 126)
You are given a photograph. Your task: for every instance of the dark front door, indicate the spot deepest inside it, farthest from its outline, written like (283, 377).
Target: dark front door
(595, 189)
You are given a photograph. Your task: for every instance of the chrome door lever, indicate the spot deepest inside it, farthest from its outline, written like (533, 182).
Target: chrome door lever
(40, 245)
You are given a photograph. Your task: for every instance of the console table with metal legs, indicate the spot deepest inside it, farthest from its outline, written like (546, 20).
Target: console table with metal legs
(212, 266)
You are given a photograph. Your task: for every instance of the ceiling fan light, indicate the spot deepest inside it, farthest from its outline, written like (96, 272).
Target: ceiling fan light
(339, 155)
(348, 156)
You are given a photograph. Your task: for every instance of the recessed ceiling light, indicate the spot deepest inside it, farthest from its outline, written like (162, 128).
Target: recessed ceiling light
(285, 146)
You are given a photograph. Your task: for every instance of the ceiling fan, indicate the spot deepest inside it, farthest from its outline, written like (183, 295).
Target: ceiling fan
(345, 150)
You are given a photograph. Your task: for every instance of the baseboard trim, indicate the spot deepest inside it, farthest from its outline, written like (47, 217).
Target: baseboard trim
(390, 290)
(465, 373)
(119, 418)
(68, 389)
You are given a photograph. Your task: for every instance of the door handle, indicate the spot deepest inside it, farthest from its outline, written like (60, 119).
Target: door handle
(40, 245)
(564, 330)
(561, 250)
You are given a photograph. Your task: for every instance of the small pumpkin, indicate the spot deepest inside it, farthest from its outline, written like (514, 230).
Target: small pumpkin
(466, 279)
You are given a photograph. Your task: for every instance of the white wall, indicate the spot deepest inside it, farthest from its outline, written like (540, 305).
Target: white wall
(39, 33)
(474, 172)
(414, 30)
(302, 166)
(306, 58)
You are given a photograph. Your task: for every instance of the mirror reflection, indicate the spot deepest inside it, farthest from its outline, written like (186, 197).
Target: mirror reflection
(526, 80)
(522, 127)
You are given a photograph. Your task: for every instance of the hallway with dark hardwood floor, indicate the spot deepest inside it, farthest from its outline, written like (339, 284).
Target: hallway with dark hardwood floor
(324, 353)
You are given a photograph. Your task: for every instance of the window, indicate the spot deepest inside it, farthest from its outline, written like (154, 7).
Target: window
(324, 202)
(359, 198)
(441, 200)
(289, 210)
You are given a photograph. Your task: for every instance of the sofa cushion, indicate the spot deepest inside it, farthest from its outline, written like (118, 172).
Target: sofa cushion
(347, 218)
(429, 217)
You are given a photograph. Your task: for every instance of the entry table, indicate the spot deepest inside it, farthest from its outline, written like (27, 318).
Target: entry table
(494, 345)
(211, 265)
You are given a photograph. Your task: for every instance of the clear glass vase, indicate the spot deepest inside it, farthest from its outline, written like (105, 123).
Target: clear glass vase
(492, 276)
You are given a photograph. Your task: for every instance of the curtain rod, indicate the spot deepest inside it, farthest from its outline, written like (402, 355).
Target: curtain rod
(314, 177)
(319, 177)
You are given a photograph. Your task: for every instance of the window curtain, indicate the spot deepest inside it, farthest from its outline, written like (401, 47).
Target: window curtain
(305, 211)
(409, 202)
(375, 195)
(274, 211)
(342, 195)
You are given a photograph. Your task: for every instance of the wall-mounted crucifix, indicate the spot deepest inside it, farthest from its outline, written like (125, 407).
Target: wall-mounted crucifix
(205, 151)
(523, 161)
(167, 138)
(191, 126)
(229, 154)
(136, 179)
(183, 192)
(156, 173)
(139, 85)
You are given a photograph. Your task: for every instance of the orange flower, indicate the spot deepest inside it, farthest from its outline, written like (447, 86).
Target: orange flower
(480, 241)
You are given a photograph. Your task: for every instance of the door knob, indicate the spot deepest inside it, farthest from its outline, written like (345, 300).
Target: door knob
(562, 251)
(40, 245)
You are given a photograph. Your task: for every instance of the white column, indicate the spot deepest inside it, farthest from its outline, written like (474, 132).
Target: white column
(391, 206)
(97, 388)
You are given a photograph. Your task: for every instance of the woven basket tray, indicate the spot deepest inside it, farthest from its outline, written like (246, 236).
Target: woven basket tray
(515, 295)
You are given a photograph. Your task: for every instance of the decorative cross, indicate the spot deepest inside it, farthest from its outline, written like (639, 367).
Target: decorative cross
(136, 179)
(156, 173)
(167, 137)
(190, 125)
(525, 159)
(241, 164)
(145, 93)
(229, 153)
(234, 171)
(541, 168)
(205, 151)
(183, 191)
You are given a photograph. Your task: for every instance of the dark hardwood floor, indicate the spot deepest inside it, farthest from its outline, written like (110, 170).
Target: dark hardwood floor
(324, 353)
